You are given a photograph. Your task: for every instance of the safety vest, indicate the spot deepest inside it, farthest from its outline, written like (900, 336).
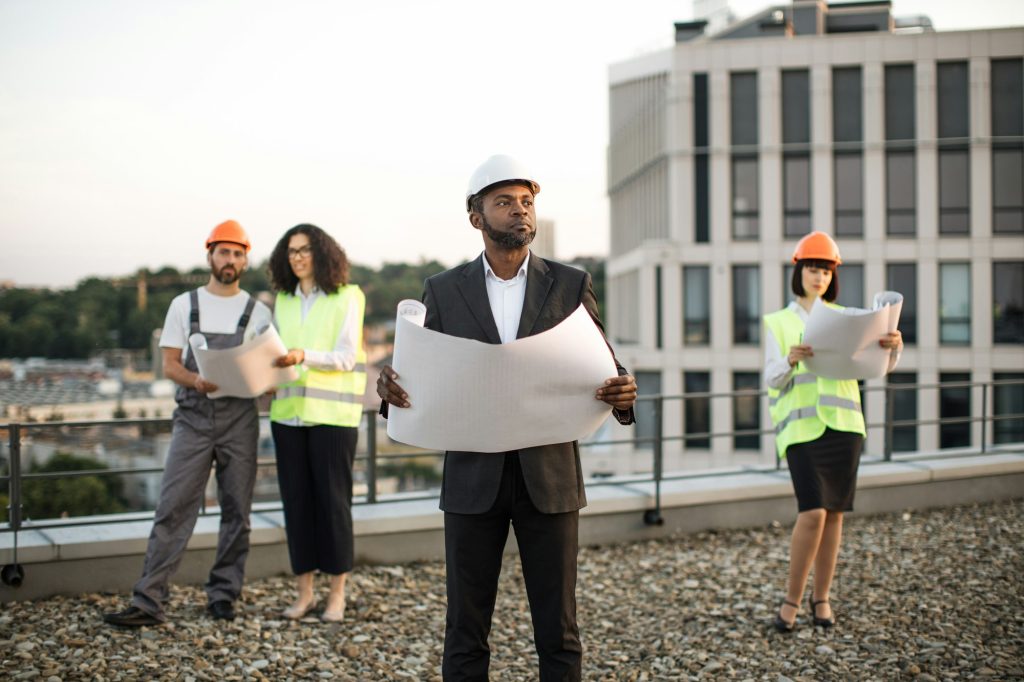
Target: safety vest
(319, 396)
(802, 408)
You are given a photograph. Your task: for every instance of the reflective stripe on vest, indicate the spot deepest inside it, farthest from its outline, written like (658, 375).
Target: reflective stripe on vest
(320, 396)
(807, 404)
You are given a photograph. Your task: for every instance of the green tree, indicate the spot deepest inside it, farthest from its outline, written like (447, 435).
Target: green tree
(73, 496)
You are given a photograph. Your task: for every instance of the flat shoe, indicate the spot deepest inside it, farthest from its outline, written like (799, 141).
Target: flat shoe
(293, 613)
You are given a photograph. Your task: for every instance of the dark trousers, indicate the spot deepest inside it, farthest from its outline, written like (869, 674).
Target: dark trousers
(314, 473)
(548, 544)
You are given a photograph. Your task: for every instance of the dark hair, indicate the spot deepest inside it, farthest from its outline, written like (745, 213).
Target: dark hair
(330, 265)
(798, 283)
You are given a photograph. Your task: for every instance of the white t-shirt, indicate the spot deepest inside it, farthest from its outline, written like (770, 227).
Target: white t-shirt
(217, 315)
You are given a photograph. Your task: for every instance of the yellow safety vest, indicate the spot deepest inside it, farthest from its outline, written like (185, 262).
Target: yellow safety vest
(802, 408)
(318, 396)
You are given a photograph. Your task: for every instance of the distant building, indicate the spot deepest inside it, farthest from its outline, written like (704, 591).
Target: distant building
(905, 144)
(544, 243)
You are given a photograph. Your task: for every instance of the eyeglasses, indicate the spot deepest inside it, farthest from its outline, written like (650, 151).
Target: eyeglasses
(301, 252)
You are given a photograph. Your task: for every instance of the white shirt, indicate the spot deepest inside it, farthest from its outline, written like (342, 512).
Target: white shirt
(506, 297)
(777, 371)
(343, 356)
(217, 315)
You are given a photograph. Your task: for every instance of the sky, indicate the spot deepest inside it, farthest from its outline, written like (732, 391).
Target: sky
(129, 129)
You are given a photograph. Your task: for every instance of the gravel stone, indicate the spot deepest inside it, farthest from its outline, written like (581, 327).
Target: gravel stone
(926, 595)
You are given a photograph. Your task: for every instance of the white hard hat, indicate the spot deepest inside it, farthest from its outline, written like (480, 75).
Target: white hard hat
(498, 168)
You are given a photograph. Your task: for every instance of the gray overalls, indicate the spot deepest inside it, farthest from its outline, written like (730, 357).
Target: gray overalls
(222, 432)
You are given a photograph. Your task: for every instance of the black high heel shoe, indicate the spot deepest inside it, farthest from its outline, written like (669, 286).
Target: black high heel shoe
(823, 622)
(784, 625)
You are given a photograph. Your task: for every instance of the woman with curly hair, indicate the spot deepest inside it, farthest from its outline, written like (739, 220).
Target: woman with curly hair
(315, 419)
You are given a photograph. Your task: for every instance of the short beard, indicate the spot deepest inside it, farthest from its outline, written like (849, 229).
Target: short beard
(508, 240)
(226, 278)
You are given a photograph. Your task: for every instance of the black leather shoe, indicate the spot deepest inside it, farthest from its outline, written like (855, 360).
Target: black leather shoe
(131, 617)
(221, 610)
(781, 625)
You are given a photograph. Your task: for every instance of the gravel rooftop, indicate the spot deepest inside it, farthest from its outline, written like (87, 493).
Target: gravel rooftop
(923, 595)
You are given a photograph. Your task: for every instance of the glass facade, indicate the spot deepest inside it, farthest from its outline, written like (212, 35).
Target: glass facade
(696, 305)
(954, 190)
(902, 277)
(1008, 404)
(746, 307)
(851, 285)
(848, 175)
(746, 410)
(702, 214)
(904, 438)
(697, 411)
(955, 303)
(1007, 146)
(954, 406)
(647, 383)
(1008, 301)
(745, 207)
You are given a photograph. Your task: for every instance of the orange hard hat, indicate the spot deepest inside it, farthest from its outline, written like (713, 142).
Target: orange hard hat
(817, 246)
(229, 231)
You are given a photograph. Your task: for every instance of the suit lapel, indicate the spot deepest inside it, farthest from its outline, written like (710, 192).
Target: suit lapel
(474, 290)
(538, 284)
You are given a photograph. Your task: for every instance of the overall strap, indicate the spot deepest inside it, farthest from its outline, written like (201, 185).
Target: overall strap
(193, 316)
(243, 321)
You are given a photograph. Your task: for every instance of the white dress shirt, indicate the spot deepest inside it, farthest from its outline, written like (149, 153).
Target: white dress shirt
(506, 297)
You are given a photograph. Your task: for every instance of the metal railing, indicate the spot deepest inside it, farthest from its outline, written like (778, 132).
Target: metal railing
(648, 434)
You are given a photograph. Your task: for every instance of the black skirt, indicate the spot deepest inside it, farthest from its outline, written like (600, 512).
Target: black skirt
(824, 471)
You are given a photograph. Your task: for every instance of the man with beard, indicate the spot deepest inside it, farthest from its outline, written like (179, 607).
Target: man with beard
(505, 294)
(205, 433)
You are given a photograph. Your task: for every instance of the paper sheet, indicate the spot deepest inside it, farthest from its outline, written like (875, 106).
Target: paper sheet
(244, 371)
(845, 342)
(482, 397)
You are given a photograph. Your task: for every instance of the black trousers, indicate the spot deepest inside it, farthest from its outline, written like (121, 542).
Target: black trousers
(548, 545)
(314, 474)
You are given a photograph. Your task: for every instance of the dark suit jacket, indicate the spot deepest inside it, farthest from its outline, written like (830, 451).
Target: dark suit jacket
(457, 304)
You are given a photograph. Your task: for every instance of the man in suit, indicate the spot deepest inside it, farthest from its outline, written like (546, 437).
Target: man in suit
(505, 294)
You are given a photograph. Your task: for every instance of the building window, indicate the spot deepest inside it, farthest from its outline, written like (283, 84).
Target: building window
(796, 178)
(796, 107)
(851, 285)
(904, 438)
(953, 99)
(702, 224)
(955, 303)
(1008, 302)
(954, 409)
(954, 190)
(847, 108)
(902, 277)
(1009, 400)
(746, 304)
(1007, 95)
(900, 192)
(647, 383)
(697, 410)
(899, 102)
(1007, 189)
(1007, 157)
(746, 411)
(848, 173)
(696, 305)
(787, 282)
(745, 212)
(953, 106)
(743, 108)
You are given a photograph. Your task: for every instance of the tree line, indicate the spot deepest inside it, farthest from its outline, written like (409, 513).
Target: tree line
(101, 314)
